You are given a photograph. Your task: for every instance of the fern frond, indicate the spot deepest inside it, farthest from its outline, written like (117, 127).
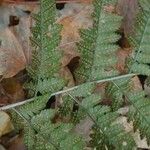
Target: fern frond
(108, 133)
(46, 37)
(51, 136)
(29, 137)
(140, 57)
(145, 5)
(28, 111)
(139, 113)
(97, 47)
(115, 94)
(82, 91)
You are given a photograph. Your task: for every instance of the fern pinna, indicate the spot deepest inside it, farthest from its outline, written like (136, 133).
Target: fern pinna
(46, 64)
(105, 132)
(139, 64)
(98, 60)
(140, 102)
(97, 47)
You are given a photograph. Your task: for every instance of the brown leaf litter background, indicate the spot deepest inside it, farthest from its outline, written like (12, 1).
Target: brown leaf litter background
(15, 53)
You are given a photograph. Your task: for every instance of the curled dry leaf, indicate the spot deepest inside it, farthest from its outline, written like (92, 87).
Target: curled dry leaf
(12, 58)
(15, 49)
(109, 8)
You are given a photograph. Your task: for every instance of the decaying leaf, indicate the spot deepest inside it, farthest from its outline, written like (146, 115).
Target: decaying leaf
(12, 58)
(13, 89)
(122, 55)
(128, 9)
(141, 143)
(17, 143)
(22, 33)
(73, 17)
(15, 50)
(5, 123)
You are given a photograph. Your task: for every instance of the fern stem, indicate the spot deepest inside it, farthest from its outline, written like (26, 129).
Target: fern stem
(97, 40)
(64, 91)
(14, 109)
(41, 46)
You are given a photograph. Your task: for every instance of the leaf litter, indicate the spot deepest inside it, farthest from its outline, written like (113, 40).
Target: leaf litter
(15, 50)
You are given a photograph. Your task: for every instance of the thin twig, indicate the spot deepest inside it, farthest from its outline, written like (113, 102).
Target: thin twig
(66, 90)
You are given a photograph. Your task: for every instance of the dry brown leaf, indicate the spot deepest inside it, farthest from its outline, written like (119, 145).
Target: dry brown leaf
(84, 127)
(128, 9)
(65, 72)
(5, 123)
(109, 8)
(13, 90)
(141, 143)
(73, 17)
(122, 55)
(17, 144)
(15, 51)
(22, 34)
(12, 58)
(137, 86)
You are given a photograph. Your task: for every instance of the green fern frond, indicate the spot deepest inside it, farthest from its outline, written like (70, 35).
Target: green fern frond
(108, 133)
(145, 4)
(66, 107)
(46, 37)
(140, 41)
(115, 94)
(97, 47)
(29, 137)
(49, 136)
(29, 110)
(139, 113)
(82, 91)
